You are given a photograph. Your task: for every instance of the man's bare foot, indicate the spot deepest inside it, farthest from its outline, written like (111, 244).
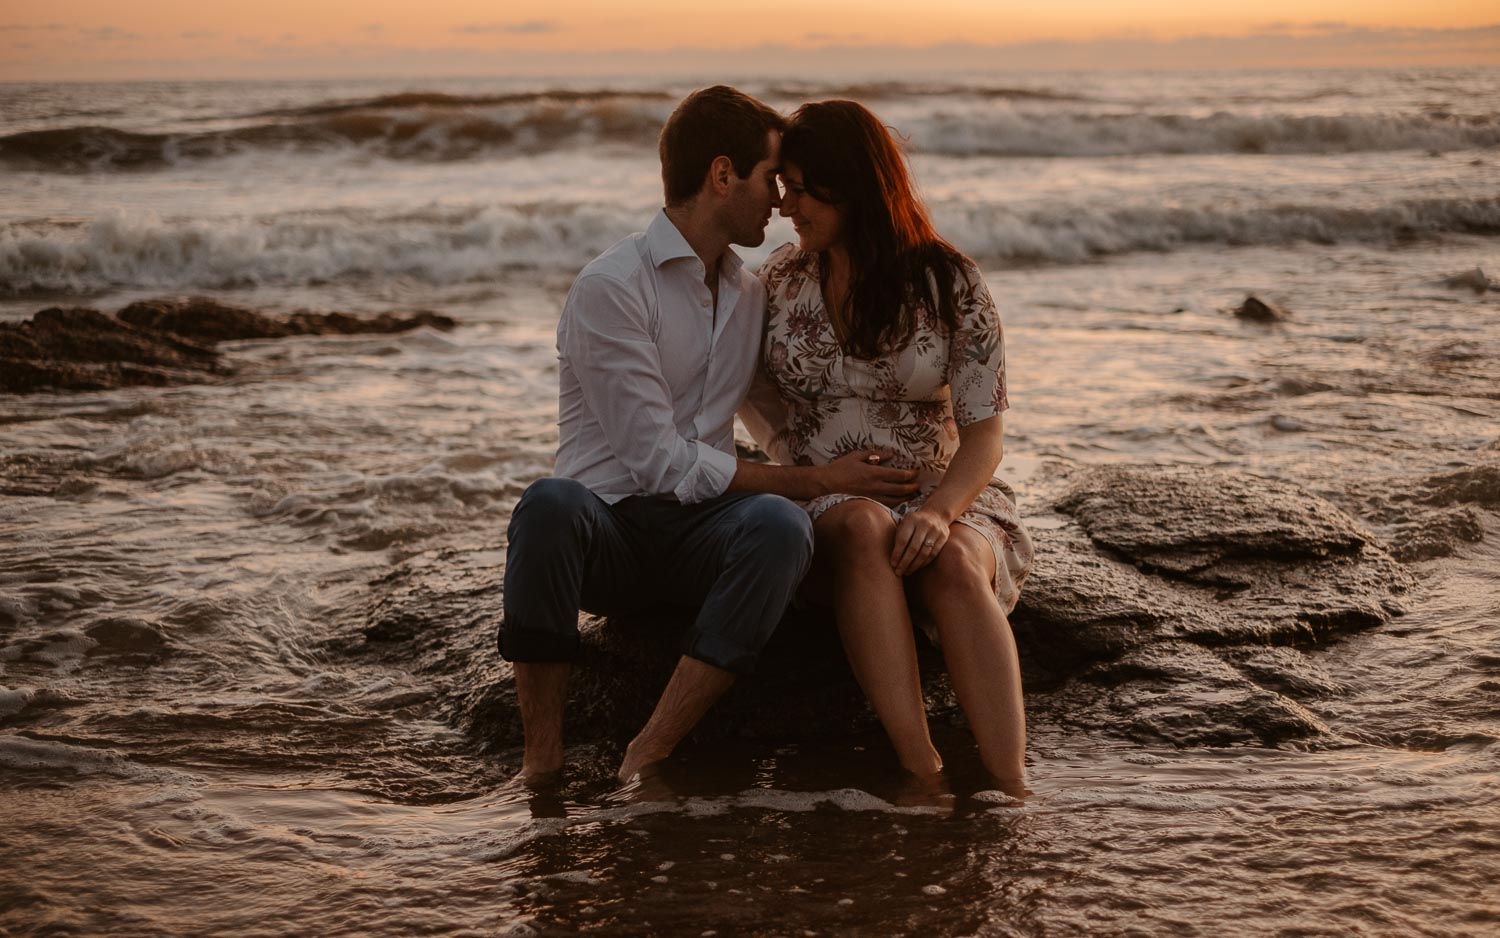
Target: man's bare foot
(638, 759)
(541, 770)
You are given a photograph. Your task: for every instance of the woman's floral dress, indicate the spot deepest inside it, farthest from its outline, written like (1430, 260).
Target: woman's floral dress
(813, 402)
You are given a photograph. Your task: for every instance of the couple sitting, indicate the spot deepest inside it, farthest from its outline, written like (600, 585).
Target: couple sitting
(867, 360)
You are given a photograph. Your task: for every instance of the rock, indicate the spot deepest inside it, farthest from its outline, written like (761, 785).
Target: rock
(1182, 695)
(208, 320)
(157, 342)
(83, 349)
(438, 615)
(1435, 534)
(1286, 671)
(203, 319)
(1475, 280)
(1167, 605)
(1478, 485)
(1255, 309)
(1185, 521)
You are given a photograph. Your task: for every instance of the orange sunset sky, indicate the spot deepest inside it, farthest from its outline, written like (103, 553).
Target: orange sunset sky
(108, 39)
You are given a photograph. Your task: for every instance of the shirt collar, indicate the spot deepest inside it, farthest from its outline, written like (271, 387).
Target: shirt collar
(666, 243)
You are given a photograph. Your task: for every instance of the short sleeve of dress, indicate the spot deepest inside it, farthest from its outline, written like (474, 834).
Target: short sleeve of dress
(976, 352)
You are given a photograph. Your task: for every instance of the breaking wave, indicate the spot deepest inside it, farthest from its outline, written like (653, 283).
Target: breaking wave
(439, 127)
(482, 244)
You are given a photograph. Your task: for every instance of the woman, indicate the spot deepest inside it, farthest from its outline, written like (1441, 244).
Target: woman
(882, 336)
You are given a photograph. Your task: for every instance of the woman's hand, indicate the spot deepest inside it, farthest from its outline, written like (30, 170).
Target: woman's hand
(919, 538)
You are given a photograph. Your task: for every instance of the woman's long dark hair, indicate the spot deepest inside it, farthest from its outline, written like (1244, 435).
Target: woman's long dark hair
(848, 158)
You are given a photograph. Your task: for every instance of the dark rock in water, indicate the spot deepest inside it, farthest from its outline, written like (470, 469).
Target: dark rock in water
(203, 319)
(1479, 485)
(1286, 671)
(1183, 695)
(1186, 522)
(83, 349)
(1167, 605)
(1476, 280)
(1435, 534)
(1245, 559)
(209, 320)
(127, 636)
(438, 616)
(1255, 309)
(156, 342)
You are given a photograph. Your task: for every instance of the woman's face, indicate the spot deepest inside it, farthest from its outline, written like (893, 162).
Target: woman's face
(819, 225)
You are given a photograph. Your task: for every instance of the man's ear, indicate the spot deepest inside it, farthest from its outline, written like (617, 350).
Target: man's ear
(720, 171)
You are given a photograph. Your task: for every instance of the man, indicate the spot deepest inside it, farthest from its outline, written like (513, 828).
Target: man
(657, 343)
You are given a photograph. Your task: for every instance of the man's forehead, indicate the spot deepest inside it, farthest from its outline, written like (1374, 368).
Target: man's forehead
(773, 152)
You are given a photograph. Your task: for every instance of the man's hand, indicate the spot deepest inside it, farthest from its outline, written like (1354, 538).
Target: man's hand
(861, 473)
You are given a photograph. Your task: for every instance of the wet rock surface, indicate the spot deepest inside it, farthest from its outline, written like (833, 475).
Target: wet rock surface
(1255, 309)
(1168, 605)
(157, 342)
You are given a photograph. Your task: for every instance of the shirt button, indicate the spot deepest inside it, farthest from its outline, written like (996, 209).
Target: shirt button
(705, 304)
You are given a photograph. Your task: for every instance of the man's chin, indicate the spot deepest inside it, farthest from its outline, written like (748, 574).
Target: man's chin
(752, 240)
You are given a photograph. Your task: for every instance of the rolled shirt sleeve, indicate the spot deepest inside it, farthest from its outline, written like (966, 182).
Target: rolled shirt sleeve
(606, 338)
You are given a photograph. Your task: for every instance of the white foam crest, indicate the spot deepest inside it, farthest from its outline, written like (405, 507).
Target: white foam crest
(21, 752)
(143, 250)
(1069, 233)
(1060, 133)
(488, 244)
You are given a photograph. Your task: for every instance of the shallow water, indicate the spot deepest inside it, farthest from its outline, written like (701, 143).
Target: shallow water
(195, 737)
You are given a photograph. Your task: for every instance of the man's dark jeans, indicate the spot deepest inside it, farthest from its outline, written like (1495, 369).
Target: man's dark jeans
(739, 558)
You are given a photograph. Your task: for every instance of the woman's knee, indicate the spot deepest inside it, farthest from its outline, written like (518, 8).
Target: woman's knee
(858, 524)
(962, 570)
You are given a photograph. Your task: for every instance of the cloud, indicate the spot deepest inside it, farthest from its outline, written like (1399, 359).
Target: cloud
(833, 37)
(108, 34)
(524, 28)
(1353, 47)
(373, 29)
(30, 27)
(198, 34)
(1320, 26)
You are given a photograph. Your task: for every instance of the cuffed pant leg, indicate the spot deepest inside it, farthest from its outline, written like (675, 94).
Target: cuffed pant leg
(563, 538)
(746, 560)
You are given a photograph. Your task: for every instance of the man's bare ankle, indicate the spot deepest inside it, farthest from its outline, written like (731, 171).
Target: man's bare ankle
(640, 756)
(542, 768)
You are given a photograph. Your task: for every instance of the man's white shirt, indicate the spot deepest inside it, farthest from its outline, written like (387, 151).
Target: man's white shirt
(651, 372)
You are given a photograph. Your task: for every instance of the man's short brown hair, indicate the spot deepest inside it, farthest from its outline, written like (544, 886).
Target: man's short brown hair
(708, 124)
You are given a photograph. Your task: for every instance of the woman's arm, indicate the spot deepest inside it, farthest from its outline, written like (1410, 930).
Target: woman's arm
(980, 447)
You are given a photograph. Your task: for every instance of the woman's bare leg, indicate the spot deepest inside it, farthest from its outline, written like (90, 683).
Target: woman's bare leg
(979, 649)
(853, 549)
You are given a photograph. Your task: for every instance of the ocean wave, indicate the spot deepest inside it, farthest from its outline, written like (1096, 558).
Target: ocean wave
(1047, 134)
(313, 248)
(434, 127)
(403, 132)
(483, 245)
(1070, 233)
(887, 90)
(426, 99)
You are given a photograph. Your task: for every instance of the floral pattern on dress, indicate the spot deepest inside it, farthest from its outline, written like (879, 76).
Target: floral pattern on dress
(911, 402)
